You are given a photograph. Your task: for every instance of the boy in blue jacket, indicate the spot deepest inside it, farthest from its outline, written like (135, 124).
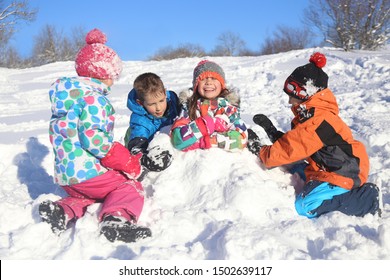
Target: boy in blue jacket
(152, 107)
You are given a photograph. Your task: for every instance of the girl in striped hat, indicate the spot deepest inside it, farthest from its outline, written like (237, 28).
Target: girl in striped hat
(211, 116)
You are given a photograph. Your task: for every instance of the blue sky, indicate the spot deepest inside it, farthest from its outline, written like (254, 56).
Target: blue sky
(138, 29)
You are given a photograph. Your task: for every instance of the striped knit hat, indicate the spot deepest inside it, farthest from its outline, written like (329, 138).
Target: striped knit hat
(206, 69)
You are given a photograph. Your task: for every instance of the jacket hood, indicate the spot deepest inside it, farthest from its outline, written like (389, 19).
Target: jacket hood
(323, 100)
(133, 105)
(65, 91)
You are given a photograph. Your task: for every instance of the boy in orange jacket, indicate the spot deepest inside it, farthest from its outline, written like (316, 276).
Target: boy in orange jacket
(337, 165)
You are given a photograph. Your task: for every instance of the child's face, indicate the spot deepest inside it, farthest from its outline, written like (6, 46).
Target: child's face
(294, 101)
(155, 104)
(209, 88)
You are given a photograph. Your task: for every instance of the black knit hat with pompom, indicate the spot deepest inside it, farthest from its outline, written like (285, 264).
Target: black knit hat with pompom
(310, 77)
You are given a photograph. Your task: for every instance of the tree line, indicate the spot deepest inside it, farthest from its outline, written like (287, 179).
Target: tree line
(346, 24)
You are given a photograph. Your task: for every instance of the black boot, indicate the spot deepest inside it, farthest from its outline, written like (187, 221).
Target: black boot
(118, 228)
(357, 202)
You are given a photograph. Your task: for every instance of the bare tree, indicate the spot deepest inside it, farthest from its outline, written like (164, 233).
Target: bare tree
(230, 44)
(46, 46)
(248, 52)
(78, 37)
(51, 45)
(351, 24)
(11, 58)
(10, 15)
(185, 50)
(286, 39)
(69, 46)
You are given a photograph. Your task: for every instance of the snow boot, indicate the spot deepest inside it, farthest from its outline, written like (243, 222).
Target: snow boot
(377, 204)
(54, 215)
(118, 228)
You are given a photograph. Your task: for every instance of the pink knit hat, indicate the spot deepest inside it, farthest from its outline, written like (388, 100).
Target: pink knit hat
(96, 60)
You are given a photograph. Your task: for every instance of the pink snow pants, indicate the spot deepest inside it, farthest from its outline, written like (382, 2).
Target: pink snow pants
(119, 196)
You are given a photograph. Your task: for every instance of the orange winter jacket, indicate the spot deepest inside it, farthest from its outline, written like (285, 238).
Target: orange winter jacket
(321, 137)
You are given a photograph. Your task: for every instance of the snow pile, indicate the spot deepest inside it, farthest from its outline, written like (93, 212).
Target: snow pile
(207, 205)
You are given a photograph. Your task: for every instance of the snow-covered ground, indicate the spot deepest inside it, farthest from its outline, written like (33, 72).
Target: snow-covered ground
(209, 204)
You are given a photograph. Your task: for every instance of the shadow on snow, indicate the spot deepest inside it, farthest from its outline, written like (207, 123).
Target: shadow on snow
(32, 174)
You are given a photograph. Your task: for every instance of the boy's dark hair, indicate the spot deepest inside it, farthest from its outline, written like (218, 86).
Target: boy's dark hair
(148, 83)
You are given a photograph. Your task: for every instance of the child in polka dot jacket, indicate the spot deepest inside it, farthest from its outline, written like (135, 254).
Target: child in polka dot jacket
(89, 165)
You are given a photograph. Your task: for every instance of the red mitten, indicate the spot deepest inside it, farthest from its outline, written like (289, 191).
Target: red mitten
(205, 125)
(119, 158)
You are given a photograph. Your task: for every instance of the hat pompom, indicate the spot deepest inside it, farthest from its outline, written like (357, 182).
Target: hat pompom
(318, 59)
(95, 36)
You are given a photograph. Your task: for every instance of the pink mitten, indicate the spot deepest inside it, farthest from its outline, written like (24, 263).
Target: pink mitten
(205, 125)
(221, 123)
(119, 158)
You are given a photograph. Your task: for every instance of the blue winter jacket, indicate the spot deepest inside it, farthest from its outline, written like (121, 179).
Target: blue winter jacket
(143, 124)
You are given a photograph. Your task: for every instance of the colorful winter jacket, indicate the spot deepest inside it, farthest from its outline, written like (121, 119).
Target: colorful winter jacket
(218, 125)
(319, 135)
(143, 124)
(81, 128)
